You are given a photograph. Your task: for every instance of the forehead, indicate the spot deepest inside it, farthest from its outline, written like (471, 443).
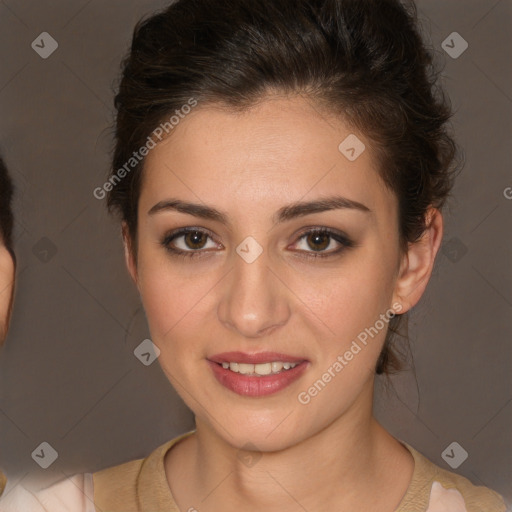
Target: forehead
(279, 151)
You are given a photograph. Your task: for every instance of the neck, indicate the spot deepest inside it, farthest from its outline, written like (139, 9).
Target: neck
(350, 463)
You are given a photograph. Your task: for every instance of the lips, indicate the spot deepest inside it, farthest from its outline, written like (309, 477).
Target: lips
(256, 385)
(257, 358)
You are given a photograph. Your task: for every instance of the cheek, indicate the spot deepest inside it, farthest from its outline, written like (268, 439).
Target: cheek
(175, 306)
(6, 289)
(350, 304)
(351, 297)
(160, 298)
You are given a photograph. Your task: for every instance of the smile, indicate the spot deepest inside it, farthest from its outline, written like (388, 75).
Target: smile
(256, 375)
(259, 369)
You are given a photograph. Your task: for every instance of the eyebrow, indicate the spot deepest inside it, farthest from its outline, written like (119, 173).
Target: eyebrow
(286, 213)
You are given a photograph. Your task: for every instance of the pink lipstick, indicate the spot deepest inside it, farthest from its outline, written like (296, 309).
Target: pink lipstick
(257, 374)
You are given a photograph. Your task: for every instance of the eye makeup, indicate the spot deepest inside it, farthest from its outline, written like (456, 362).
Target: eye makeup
(312, 236)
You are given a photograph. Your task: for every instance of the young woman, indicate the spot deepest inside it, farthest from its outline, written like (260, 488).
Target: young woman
(279, 171)
(7, 262)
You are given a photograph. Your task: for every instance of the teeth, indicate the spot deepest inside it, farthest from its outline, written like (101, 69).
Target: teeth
(276, 366)
(263, 369)
(245, 368)
(258, 369)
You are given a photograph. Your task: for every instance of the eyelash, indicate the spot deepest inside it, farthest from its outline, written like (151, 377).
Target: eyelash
(342, 239)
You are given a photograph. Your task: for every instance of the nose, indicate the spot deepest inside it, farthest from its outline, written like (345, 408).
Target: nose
(254, 302)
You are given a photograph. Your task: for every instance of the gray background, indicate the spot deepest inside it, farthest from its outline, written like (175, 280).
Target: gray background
(68, 375)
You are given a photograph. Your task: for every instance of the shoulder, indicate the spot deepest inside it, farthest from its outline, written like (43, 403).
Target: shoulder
(142, 481)
(3, 482)
(74, 493)
(117, 486)
(476, 497)
(443, 490)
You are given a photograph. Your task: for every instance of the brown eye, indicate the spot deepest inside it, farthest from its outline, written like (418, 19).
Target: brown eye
(318, 241)
(189, 242)
(314, 243)
(195, 239)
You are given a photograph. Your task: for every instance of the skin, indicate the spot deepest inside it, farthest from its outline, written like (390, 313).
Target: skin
(6, 293)
(6, 290)
(330, 454)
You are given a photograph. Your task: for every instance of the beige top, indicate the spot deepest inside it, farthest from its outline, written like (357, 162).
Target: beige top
(3, 481)
(141, 486)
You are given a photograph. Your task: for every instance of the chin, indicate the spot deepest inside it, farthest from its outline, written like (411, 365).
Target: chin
(263, 431)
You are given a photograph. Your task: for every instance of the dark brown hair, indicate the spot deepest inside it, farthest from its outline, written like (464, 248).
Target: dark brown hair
(6, 216)
(363, 60)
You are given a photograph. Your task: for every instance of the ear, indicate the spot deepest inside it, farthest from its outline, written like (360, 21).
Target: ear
(129, 254)
(7, 271)
(417, 264)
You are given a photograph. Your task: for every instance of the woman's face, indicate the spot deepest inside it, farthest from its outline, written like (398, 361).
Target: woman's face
(6, 289)
(247, 281)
